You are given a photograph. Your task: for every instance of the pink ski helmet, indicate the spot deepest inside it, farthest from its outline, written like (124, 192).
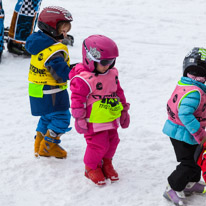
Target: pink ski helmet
(99, 48)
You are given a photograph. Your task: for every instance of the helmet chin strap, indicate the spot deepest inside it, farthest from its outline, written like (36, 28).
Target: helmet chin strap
(60, 37)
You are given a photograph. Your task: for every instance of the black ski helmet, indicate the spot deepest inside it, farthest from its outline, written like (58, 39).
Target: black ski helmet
(195, 62)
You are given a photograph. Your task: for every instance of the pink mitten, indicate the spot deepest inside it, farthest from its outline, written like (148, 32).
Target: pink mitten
(125, 118)
(79, 113)
(80, 122)
(81, 125)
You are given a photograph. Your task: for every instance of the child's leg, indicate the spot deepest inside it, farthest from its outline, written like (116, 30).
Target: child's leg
(57, 124)
(107, 167)
(42, 124)
(97, 146)
(113, 143)
(40, 131)
(187, 171)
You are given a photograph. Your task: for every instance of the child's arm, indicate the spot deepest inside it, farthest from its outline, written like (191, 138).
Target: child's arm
(79, 92)
(186, 114)
(125, 118)
(58, 68)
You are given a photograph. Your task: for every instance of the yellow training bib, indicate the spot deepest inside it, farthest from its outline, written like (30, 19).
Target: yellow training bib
(38, 73)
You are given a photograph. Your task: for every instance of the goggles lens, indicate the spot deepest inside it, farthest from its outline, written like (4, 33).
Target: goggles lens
(105, 62)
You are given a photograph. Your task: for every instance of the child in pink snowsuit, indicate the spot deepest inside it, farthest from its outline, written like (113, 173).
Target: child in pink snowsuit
(98, 106)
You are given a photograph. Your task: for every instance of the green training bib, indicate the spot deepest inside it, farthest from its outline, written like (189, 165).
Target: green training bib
(105, 110)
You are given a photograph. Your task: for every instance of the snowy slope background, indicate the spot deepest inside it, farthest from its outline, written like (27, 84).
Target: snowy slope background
(153, 37)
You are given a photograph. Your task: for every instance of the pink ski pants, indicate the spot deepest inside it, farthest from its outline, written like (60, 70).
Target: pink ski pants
(100, 145)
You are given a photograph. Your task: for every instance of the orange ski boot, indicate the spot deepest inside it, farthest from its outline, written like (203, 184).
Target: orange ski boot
(50, 146)
(38, 138)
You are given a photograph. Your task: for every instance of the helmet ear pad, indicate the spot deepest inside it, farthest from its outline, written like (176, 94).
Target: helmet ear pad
(198, 71)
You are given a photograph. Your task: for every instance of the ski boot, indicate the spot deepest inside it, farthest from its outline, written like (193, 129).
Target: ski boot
(17, 48)
(49, 146)
(109, 171)
(95, 176)
(38, 138)
(174, 196)
(197, 187)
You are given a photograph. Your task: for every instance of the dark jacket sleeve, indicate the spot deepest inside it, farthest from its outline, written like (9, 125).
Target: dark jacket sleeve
(58, 67)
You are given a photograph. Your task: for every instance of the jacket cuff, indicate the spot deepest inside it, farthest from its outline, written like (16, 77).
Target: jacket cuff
(79, 113)
(199, 135)
(126, 106)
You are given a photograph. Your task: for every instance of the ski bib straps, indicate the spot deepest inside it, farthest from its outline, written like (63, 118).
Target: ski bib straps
(38, 73)
(180, 92)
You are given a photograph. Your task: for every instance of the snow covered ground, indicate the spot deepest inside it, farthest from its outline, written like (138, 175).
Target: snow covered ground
(153, 37)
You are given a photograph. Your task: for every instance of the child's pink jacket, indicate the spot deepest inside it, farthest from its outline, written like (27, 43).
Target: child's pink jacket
(81, 92)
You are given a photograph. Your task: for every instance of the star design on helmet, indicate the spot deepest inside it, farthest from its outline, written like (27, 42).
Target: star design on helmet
(96, 54)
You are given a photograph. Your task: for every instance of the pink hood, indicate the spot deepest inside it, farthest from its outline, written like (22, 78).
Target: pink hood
(77, 70)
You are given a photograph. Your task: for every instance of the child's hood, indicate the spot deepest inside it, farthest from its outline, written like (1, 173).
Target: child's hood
(187, 80)
(77, 69)
(37, 42)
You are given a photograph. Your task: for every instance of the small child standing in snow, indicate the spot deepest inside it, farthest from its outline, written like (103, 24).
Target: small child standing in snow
(48, 75)
(186, 127)
(98, 104)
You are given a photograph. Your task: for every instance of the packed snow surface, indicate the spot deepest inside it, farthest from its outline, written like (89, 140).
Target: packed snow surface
(153, 37)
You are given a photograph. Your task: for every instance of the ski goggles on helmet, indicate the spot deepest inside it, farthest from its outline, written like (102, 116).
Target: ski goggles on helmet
(103, 62)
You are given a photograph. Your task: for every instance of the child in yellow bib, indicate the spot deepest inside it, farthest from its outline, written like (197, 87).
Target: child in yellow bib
(48, 75)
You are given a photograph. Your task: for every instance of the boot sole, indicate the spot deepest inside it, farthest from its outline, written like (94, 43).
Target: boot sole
(167, 198)
(52, 156)
(100, 183)
(46, 154)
